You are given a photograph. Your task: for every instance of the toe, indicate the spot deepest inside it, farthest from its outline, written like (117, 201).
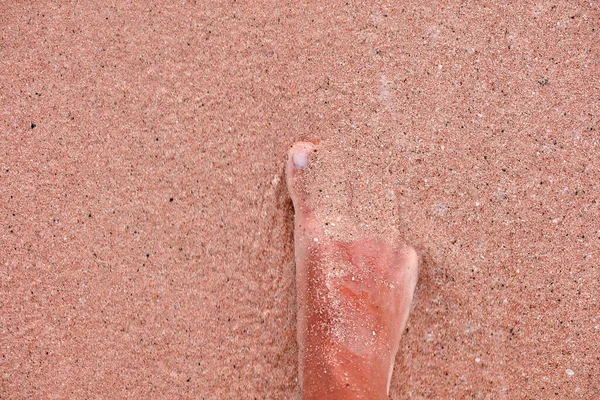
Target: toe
(298, 161)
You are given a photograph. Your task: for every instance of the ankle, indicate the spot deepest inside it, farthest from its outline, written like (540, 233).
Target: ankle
(344, 380)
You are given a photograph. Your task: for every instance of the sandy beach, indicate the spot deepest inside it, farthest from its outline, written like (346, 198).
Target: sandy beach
(146, 232)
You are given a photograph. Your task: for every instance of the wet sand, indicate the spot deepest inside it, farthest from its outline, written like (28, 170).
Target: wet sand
(146, 244)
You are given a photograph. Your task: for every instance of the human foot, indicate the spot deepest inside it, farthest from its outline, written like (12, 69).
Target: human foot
(353, 296)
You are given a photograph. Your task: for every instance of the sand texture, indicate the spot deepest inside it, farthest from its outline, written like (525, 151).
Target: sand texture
(146, 241)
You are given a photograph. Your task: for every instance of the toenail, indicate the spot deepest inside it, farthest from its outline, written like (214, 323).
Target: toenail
(300, 159)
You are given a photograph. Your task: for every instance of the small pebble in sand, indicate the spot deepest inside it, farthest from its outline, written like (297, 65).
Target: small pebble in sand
(570, 372)
(478, 360)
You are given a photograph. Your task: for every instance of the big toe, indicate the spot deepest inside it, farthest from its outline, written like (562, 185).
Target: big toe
(299, 158)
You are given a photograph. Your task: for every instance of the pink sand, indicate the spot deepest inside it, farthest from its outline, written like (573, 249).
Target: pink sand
(146, 232)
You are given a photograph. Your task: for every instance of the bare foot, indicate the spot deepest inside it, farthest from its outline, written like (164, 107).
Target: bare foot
(353, 298)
